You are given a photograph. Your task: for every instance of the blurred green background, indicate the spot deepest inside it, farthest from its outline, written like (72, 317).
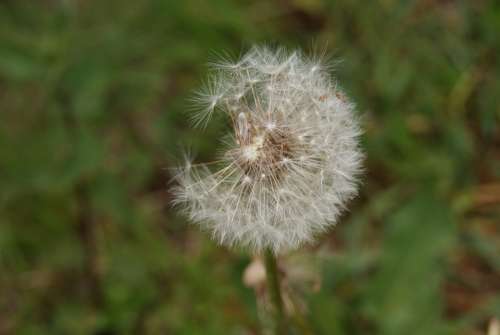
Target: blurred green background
(94, 109)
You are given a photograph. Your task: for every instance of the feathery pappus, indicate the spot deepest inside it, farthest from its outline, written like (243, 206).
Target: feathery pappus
(293, 158)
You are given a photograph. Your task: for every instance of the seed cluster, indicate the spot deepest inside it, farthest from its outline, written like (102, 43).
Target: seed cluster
(292, 160)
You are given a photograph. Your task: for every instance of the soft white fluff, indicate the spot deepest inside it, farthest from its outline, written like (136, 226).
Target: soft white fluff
(291, 163)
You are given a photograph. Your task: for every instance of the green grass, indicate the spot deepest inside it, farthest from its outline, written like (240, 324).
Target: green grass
(94, 109)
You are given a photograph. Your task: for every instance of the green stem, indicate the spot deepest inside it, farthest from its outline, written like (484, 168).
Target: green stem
(274, 289)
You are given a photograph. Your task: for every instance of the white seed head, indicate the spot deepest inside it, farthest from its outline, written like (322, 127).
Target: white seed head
(293, 159)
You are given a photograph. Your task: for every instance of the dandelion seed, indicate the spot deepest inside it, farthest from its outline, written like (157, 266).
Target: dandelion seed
(270, 125)
(293, 159)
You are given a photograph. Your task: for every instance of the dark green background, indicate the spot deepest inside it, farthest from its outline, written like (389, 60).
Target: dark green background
(94, 109)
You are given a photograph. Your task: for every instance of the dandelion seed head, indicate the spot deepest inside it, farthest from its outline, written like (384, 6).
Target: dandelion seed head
(293, 159)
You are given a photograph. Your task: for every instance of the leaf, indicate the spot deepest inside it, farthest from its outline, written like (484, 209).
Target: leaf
(404, 295)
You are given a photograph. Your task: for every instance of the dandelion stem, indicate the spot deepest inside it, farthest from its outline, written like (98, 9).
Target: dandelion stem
(274, 289)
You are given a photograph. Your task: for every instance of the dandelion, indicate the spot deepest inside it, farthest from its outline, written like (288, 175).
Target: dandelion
(291, 162)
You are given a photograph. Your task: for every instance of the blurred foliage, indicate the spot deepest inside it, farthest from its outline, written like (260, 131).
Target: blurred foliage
(94, 109)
